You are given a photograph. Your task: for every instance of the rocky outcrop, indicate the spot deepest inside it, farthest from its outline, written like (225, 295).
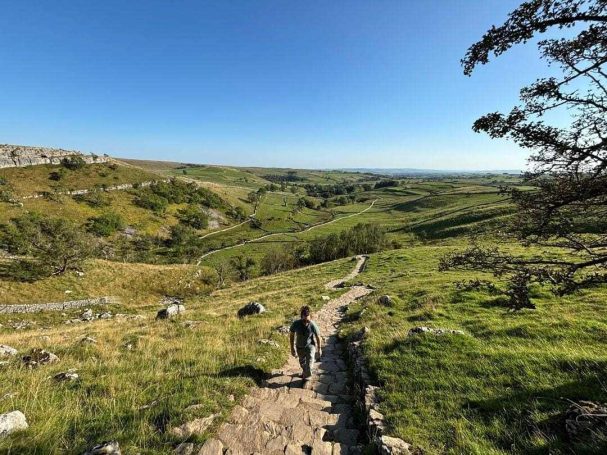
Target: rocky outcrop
(61, 306)
(21, 155)
(586, 419)
(39, 357)
(12, 422)
(251, 309)
(105, 448)
(171, 311)
(7, 351)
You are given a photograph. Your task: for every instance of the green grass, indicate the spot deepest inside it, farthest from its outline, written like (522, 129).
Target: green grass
(170, 364)
(501, 388)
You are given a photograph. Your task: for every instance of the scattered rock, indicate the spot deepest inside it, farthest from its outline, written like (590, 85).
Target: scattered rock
(87, 315)
(195, 427)
(171, 301)
(269, 342)
(585, 418)
(190, 324)
(284, 329)
(231, 397)
(105, 448)
(212, 447)
(78, 273)
(88, 340)
(194, 407)
(149, 405)
(170, 311)
(393, 446)
(325, 298)
(106, 315)
(385, 300)
(251, 308)
(39, 357)
(66, 376)
(7, 351)
(12, 422)
(430, 330)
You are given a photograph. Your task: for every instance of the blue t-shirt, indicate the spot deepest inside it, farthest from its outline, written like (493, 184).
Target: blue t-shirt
(304, 333)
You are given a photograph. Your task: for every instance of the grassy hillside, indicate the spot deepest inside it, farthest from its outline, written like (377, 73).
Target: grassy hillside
(504, 386)
(168, 366)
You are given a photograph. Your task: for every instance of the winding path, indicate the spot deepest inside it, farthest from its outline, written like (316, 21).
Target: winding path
(288, 416)
(280, 233)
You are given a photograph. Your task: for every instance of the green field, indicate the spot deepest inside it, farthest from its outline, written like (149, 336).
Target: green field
(501, 387)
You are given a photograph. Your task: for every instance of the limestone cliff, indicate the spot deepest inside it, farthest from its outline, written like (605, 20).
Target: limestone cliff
(21, 155)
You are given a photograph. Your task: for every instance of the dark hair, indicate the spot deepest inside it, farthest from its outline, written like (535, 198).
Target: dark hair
(305, 311)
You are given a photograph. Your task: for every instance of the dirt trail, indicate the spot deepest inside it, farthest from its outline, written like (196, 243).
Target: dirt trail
(288, 416)
(282, 233)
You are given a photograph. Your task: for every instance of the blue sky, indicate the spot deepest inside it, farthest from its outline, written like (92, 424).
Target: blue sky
(340, 83)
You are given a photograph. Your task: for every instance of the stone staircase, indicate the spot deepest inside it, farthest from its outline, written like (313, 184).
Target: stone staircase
(290, 416)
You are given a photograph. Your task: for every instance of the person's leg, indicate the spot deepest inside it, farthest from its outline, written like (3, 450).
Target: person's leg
(302, 357)
(311, 358)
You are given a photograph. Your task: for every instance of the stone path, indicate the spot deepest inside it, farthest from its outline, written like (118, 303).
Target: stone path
(288, 416)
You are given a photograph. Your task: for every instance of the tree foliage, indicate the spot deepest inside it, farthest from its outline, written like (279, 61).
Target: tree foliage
(56, 245)
(567, 207)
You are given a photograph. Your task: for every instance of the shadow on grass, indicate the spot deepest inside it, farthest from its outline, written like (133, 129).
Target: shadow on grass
(521, 408)
(22, 271)
(248, 371)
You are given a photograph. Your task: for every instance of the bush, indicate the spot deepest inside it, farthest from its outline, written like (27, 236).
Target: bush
(106, 224)
(73, 163)
(148, 200)
(57, 175)
(56, 244)
(96, 198)
(361, 239)
(194, 217)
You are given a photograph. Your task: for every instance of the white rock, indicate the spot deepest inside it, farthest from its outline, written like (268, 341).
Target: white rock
(7, 351)
(11, 422)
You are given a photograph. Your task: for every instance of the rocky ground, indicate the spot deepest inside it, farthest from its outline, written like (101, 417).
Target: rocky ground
(290, 416)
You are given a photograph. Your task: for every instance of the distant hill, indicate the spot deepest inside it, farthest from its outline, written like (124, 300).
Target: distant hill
(429, 172)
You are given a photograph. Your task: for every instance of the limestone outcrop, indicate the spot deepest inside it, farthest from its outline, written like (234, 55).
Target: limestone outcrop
(21, 155)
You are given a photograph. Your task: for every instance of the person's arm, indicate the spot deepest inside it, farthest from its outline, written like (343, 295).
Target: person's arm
(317, 337)
(292, 344)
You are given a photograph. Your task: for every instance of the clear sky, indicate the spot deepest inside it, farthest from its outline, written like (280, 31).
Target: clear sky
(339, 83)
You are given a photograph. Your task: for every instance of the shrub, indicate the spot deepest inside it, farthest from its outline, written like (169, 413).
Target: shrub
(73, 163)
(148, 200)
(96, 198)
(56, 244)
(105, 224)
(193, 216)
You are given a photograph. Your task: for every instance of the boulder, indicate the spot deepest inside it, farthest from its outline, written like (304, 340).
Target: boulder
(388, 445)
(194, 427)
(66, 376)
(11, 422)
(39, 357)
(170, 311)
(7, 351)
(325, 298)
(106, 315)
(88, 340)
(212, 447)
(284, 329)
(105, 448)
(432, 331)
(87, 315)
(385, 300)
(251, 308)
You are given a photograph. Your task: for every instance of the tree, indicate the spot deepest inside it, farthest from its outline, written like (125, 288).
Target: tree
(56, 244)
(193, 216)
(567, 207)
(243, 266)
(223, 270)
(73, 163)
(105, 224)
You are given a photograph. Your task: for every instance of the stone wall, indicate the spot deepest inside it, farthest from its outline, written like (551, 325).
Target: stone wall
(21, 155)
(60, 306)
(368, 402)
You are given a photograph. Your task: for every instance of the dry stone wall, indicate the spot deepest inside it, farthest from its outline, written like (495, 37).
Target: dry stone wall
(21, 155)
(60, 306)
